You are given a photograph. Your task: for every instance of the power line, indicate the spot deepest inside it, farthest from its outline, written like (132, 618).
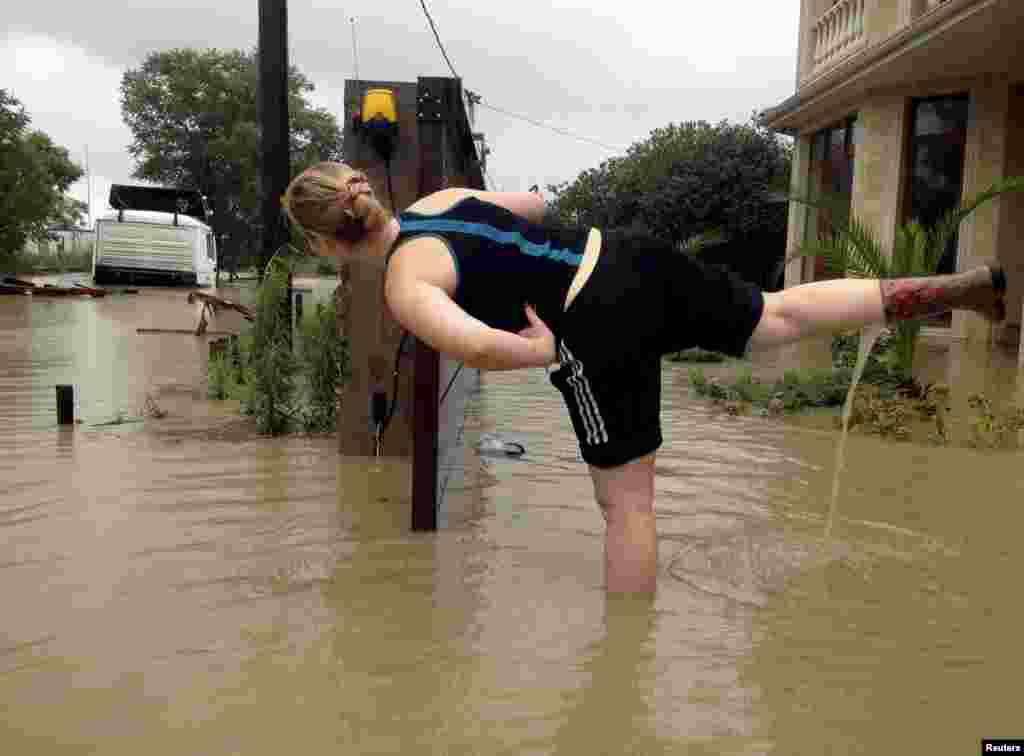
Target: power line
(438, 38)
(555, 129)
(476, 99)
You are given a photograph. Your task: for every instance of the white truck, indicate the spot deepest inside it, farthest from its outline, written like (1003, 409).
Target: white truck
(136, 244)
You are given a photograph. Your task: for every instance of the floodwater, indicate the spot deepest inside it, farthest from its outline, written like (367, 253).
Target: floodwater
(168, 590)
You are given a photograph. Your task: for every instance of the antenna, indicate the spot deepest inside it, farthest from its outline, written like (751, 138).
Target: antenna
(472, 100)
(88, 186)
(355, 48)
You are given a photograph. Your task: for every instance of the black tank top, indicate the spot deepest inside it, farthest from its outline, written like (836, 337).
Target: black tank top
(502, 260)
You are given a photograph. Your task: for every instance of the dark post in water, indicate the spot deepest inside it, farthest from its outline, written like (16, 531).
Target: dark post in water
(65, 405)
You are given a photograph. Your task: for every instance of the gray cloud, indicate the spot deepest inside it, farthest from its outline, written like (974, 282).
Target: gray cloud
(612, 72)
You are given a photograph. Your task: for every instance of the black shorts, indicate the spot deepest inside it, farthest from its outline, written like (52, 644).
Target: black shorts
(643, 300)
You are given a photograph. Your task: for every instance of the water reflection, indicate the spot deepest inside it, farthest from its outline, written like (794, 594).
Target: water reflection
(619, 671)
(96, 346)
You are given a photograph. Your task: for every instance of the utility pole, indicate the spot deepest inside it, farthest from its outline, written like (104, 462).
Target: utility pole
(273, 111)
(273, 101)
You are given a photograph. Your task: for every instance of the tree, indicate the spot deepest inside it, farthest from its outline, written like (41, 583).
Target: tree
(194, 120)
(685, 180)
(35, 174)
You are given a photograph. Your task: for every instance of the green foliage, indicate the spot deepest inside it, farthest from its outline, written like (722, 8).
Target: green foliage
(272, 398)
(887, 403)
(227, 376)
(853, 248)
(262, 372)
(884, 364)
(48, 258)
(684, 180)
(814, 388)
(326, 363)
(194, 121)
(325, 267)
(35, 174)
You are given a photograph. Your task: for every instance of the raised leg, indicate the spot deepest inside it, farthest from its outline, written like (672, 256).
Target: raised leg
(626, 497)
(849, 303)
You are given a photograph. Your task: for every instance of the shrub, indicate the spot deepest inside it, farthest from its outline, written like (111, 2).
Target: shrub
(326, 365)
(273, 388)
(261, 370)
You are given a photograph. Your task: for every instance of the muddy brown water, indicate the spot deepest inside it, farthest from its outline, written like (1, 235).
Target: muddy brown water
(170, 590)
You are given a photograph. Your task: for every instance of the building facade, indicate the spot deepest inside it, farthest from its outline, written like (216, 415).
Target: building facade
(902, 109)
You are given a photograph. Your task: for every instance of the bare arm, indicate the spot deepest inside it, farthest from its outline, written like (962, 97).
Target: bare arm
(529, 205)
(429, 313)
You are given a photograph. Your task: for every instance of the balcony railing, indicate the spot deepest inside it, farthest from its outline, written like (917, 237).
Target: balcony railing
(838, 33)
(920, 7)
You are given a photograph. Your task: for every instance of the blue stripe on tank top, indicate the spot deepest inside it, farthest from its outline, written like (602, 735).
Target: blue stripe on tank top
(502, 237)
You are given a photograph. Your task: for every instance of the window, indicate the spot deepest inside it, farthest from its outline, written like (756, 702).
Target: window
(938, 140)
(937, 148)
(832, 159)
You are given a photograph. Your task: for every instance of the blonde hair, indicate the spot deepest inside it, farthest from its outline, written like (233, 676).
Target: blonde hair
(324, 202)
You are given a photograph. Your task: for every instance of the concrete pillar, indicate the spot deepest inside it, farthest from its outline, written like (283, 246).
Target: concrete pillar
(878, 175)
(798, 212)
(1011, 230)
(984, 164)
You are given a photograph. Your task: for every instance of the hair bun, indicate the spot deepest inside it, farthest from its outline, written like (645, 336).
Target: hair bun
(368, 210)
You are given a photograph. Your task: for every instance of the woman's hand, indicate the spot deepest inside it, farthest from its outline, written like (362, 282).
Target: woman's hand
(540, 337)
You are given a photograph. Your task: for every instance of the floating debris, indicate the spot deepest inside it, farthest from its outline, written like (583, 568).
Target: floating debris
(492, 446)
(211, 304)
(16, 286)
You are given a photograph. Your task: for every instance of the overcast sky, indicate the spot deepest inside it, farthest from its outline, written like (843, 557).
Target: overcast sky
(611, 72)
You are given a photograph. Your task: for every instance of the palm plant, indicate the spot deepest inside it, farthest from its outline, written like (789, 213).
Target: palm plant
(854, 248)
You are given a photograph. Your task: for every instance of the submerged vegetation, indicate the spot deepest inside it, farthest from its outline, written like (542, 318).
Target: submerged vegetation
(285, 386)
(888, 402)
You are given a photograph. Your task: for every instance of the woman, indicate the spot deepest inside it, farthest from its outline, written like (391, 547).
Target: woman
(476, 275)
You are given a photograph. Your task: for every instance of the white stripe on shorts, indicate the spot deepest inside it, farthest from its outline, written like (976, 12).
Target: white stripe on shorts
(590, 413)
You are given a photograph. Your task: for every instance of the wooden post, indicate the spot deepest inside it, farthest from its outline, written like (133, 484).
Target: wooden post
(65, 405)
(218, 348)
(431, 109)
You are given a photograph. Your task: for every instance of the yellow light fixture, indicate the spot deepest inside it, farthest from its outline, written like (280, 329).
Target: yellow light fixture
(378, 120)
